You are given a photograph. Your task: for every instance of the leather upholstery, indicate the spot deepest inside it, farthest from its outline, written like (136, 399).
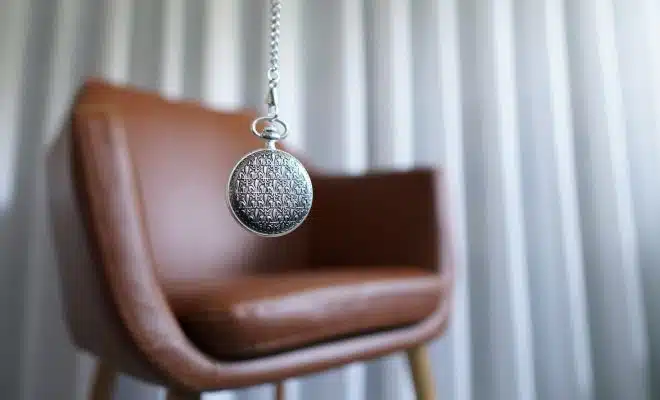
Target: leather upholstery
(142, 232)
(263, 314)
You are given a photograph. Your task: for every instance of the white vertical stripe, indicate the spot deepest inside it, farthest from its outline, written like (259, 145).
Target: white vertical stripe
(293, 389)
(173, 52)
(573, 267)
(14, 26)
(44, 330)
(629, 278)
(223, 395)
(651, 11)
(406, 389)
(512, 365)
(62, 81)
(292, 79)
(325, 109)
(61, 86)
(335, 105)
(261, 392)
(507, 111)
(391, 84)
(460, 368)
(116, 42)
(354, 128)
(426, 47)
(325, 385)
(356, 382)
(255, 22)
(345, 383)
(553, 241)
(649, 211)
(222, 65)
(617, 322)
(395, 381)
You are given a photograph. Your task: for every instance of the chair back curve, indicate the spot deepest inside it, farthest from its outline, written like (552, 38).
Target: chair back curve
(91, 316)
(181, 156)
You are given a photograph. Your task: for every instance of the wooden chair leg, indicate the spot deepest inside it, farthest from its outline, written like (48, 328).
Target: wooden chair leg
(279, 390)
(103, 384)
(420, 366)
(173, 394)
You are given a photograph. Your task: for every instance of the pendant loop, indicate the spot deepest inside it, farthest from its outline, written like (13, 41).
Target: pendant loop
(276, 129)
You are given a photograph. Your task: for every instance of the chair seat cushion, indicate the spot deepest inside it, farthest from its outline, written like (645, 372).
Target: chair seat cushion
(247, 317)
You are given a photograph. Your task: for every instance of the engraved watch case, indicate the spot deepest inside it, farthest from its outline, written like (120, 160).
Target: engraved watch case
(269, 192)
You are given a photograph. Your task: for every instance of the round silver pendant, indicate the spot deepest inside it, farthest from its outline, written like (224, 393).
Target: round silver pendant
(269, 192)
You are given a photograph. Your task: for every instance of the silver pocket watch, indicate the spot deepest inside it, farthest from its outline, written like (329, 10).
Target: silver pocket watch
(269, 191)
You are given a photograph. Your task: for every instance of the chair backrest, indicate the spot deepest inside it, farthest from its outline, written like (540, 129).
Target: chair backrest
(181, 155)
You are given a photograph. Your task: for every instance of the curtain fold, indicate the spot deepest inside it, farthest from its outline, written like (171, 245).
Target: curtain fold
(543, 114)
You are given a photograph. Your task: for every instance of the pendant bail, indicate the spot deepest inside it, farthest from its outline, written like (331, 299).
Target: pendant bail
(271, 101)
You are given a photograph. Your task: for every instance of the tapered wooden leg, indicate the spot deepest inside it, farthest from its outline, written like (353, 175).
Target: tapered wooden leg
(279, 390)
(420, 365)
(103, 385)
(173, 394)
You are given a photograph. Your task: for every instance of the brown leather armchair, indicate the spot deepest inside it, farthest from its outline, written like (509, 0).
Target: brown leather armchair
(160, 283)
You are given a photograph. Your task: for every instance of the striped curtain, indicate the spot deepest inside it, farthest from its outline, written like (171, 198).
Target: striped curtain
(544, 115)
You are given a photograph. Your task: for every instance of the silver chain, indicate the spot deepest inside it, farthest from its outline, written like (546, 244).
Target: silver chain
(275, 128)
(274, 69)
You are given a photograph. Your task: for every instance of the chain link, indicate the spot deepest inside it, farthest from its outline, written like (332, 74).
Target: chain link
(274, 69)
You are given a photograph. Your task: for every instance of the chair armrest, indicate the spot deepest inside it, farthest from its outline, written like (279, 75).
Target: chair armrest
(377, 219)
